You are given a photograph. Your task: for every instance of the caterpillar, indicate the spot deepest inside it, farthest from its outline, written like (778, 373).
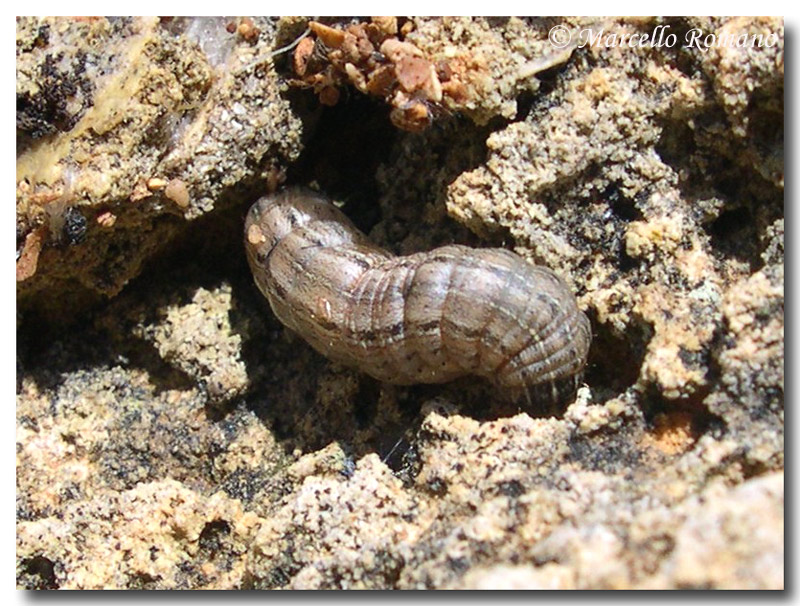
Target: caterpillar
(429, 317)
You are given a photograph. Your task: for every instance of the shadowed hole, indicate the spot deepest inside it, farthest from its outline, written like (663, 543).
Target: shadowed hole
(41, 572)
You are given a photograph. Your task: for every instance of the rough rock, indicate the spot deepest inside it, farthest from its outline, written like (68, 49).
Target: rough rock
(152, 122)
(177, 436)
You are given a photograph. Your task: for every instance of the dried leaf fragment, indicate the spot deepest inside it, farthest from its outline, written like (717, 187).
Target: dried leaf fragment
(29, 258)
(330, 36)
(302, 55)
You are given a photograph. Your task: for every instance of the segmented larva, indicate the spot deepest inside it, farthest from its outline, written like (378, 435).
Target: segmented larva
(424, 318)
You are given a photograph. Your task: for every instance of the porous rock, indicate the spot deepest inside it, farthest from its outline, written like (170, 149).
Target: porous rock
(650, 178)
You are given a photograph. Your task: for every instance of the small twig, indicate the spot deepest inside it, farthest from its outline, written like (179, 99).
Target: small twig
(391, 452)
(274, 53)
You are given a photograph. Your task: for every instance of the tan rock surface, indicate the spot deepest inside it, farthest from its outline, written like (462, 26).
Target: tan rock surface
(175, 435)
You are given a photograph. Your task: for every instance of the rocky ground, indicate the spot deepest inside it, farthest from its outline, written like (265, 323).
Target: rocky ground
(172, 434)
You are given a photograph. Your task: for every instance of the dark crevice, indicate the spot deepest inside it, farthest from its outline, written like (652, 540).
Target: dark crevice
(167, 279)
(734, 235)
(624, 208)
(676, 145)
(683, 58)
(730, 182)
(38, 572)
(366, 401)
(346, 144)
(214, 536)
(142, 580)
(615, 361)
(529, 101)
(702, 421)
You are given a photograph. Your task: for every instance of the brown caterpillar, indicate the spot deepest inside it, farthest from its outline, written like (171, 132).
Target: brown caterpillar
(424, 318)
